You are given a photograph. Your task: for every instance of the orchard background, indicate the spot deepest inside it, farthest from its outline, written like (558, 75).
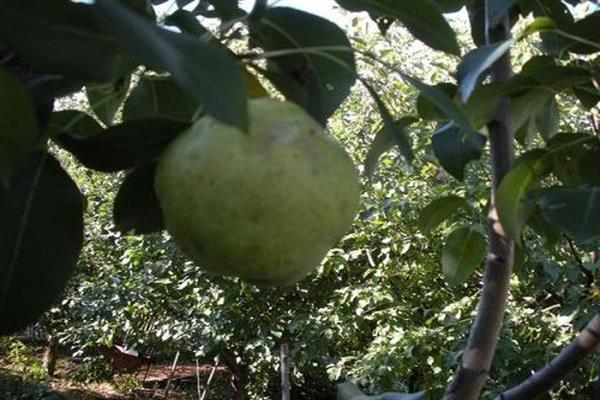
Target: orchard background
(472, 263)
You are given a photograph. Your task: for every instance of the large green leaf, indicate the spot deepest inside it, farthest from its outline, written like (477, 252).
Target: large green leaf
(513, 209)
(317, 79)
(127, 145)
(61, 37)
(105, 100)
(584, 35)
(41, 215)
(575, 211)
(203, 70)
(438, 211)
(566, 151)
(18, 126)
(462, 254)
(156, 96)
(422, 18)
(136, 205)
(455, 148)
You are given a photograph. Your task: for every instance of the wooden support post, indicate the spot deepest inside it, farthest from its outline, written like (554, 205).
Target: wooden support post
(285, 372)
(173, 367)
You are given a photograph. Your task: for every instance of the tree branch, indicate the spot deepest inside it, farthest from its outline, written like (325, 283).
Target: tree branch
(543, 380)
(589, 277)
(477, 358)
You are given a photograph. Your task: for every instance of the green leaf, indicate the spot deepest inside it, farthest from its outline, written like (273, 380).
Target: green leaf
(548, 120)
(61, 37)
(566, 151)
(539, 24)
(41, 215)
(513, 210)
(587, 94)
(160, 97)
(455, 148)
(462, 254)
(392, 133)
(75, 123)
(549, 233)
(422, 18)
(319, 80)
(584, 35)
(476, 62)
(451, 6)
(429, 111)
(439, 97)
(497, 9)
(105, 100)
(589, 167)
(206, 72)
(575, 211)
(127, 145)
(18, 126)
(186, 22)
(438, 211)
(136, 205)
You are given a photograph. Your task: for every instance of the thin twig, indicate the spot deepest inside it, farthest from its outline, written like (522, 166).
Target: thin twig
(563, 364)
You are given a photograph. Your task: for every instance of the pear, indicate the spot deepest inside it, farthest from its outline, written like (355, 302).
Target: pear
(264, 205)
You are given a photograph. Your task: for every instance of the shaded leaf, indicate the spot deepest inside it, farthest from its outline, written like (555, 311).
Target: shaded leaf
(127, 145)
(455, 148)
(41, 215)
(566, 150)
(136, 206)
(394, 130)
(105, 100)
(548, 120)
(316, 80)
(575, 211)
(207, 73)
(186, 22)
(438, 96)
(513, 210)
(160, 97)
(39, 31)
(438, 211)
(589, 167)
(497, 9)
(462, 254)
(384, 140)
(422, 18)
(584, 35)
(427, 110)
(18, 126)
(73, 122)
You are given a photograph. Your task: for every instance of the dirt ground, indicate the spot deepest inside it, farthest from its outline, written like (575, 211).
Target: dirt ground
(65, 384)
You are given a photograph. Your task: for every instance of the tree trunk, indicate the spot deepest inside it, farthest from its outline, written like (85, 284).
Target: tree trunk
(51, 355)
(477, 359)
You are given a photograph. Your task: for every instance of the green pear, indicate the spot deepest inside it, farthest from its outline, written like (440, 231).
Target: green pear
(264, 205)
